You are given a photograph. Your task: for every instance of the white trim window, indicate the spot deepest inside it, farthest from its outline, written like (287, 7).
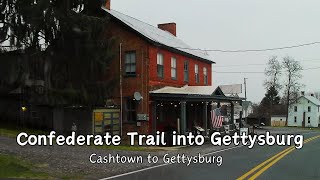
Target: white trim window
(160, 68)
(196, 73)
(186, 71)
(130, 63)
(173, 68)
(205, 76)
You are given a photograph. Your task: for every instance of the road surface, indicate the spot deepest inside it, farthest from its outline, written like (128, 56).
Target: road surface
(260, 162)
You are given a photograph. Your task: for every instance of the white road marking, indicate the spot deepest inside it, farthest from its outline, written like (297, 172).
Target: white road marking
(309, 132)
(161, 165)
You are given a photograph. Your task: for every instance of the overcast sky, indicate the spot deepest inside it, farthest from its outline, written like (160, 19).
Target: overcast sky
(234, 25)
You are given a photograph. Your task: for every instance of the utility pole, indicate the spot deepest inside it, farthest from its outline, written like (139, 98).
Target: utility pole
(245, 96)
(245, 88)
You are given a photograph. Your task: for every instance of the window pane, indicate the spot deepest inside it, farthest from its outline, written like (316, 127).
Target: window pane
(196, 68)
(186, 76)
(128, 69)
(160, 71)
(133, 68)
(173, 73)
(205, 71)
(197, 78)
(133, 57)
(186, 66)
(159, 59)
(128, 58)
(205, 80)
(173, 62)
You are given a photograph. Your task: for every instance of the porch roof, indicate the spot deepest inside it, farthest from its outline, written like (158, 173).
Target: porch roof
(197, 90)
(192, 93)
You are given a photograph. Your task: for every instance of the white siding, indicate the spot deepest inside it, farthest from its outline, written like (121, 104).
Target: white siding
(302, 106)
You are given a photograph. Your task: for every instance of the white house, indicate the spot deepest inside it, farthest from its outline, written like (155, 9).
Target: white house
(305, 112)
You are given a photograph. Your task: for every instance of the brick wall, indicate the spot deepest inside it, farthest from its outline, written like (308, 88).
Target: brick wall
(130, 84)
(156, 82)
(146, 78)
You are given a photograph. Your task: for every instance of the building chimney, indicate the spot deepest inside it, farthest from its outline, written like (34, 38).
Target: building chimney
(170, 27)
(108, 4)
(302, 93)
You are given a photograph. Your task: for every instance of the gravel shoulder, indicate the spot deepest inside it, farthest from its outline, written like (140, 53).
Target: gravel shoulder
(73, 161)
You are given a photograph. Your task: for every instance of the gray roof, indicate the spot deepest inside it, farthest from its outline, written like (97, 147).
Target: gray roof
(158, 35)
(198, 90)
(313, 100)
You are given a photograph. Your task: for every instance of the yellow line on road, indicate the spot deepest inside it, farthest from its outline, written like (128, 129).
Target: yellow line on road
(269, 165)
(272, 161)
(262, 164)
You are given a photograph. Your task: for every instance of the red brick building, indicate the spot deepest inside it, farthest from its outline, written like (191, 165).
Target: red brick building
(152, 58)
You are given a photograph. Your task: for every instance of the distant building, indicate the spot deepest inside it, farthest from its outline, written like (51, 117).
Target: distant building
(278, 120)
(305, 112)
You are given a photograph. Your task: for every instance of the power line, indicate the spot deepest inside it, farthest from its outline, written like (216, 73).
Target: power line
(239, 65)
(251, 50)
(234, 51)
(238, 72)
(254, 72)
(311, 68)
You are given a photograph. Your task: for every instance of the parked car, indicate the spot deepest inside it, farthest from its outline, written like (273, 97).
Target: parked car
(259, 126)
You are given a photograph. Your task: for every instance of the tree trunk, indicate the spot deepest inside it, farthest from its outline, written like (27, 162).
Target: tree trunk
(288, 98)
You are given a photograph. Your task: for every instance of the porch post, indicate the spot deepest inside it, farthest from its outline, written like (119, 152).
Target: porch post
(183, 117)
(205, 117)
(210, 120)
(154, 117)
(241, 114)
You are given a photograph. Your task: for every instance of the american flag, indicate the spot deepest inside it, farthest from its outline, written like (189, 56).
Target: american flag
(216, 118)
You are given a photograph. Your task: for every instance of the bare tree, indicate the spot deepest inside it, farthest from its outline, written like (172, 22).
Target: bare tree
(292, 70)
(273, 73)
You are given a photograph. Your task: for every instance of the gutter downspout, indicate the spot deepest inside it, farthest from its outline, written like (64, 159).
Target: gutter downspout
(120, 68)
